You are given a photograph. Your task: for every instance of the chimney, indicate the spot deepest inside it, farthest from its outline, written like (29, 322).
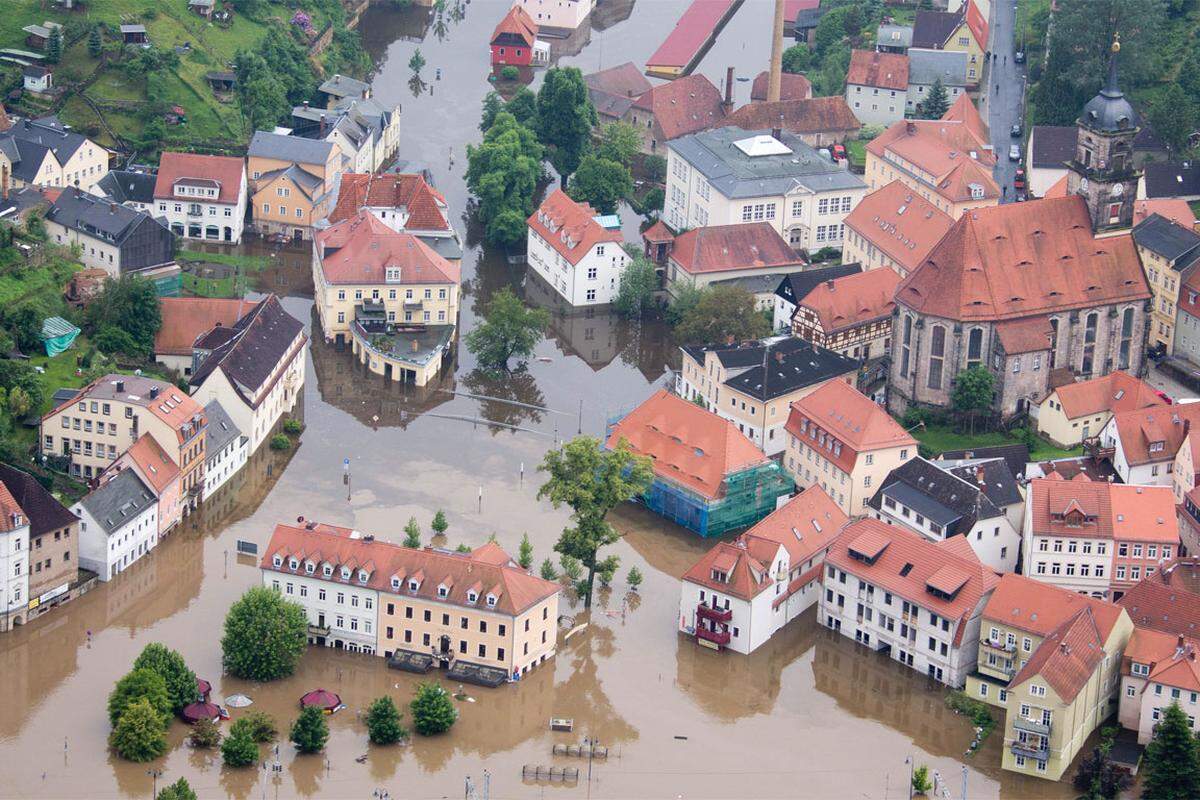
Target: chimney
(910, 128)
(306, 105)
(728, 104)
(416, 345)
(153, 392)
(777, 134)
(120, 386)
(322, 126)
(775, 73)
(829, 285)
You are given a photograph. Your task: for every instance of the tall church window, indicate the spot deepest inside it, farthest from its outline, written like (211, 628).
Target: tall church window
(1053, 343)
(975, 347)
(1089, 343)
(906, 346)
(1126, 338)
(937, 354)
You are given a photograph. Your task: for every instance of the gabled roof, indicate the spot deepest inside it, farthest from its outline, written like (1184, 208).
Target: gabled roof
(259, 342)
(1052, 146)
(1169, 240)
(49, 133)
(791, 87)
(1168, 424)
(683, 106)
(1068, 656)
(297, 149)
(1106, 511)
(1115, 392)
(795, 286)
(687, 444)
(1168, 600)
(814, 115)
(853, 300)
(791, 365)
(614, 90)
(927, 66)
(570, 227)
(1171, 179)
(176, 408)
(851, 422)
(1038, 607)
(516, 28)
(901, 223)
(880, 70)
(185, 318)
(1028, 335)
(154, 466)
(227, 172)
(932, 29)
(992, 476)
(119, 502)
(424, 205)
(126, 186)
(722, 248)
(362, 248)
(1016, 456)
(977, 23)
(301, 179)
(221, 429)
(344, 86)
(940, 495)
(95, 216)
(1175, 209)
(954, 149)
(12, 516)
(45, 513)
(1024, 259)
(1171, 658)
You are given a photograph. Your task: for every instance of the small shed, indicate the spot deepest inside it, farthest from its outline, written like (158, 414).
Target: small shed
(202, 7)
(134, 34)
(39, 35)
(221, 81)
(38, 79)
(58, 334)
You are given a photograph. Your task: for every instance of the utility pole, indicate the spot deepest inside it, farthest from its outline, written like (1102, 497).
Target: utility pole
(909, 761)
(155, 774)
(775, 77)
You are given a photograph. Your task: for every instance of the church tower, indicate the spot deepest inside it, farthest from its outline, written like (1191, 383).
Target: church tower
(1102, 171)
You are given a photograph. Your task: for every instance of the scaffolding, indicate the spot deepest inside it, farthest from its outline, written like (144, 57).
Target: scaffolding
(748, 495)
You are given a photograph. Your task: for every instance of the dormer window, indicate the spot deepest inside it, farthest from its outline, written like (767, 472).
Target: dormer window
(345, 573)
(1156, 447)
(413, 586)
(396, 583)
(310, 568)
(362, 576)
(393, 274)
(443, 591)
(491, 601)
(327, 570)
(472, 597)
(277, 561)
(719, 576)
(293, 563)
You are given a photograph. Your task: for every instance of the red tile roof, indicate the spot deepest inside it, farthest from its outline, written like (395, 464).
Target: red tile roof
(1102, 510)
(518, 25)
(424, 205)
(1067, 658)
(817, 115)
(1168, 600)
(570, 227)
(853, 300)
(11, 515)
(901, 223)
(1175, 209)
(791, 87)
(856, 422)
(1171, 658)
(184, 319)
(1140, 428)
(881, 70)
(225, 170)
(515, 589)
(1115, 392)
(1022, 260)
(683, 106)
(1038, 608)
(362, 248)
(964, 111)
(977, 22)
(745, 575)
(1058, 189)
(157, 468)
(688, 445)
(720, 248)
(690, 33)
(658, 233)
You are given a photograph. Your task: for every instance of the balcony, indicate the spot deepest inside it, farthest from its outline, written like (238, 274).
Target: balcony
(195, 211)
(318, 630)
(1039, 752)
(705, 611)
(1094, 448)
(1001, 647)
(1031, 726)
(716, 637)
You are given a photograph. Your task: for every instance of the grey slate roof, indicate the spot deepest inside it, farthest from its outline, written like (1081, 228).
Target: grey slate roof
(1016, 456)
(304, 180)
(259, 341)
(44, 512)
(344, 86)
(95, 216)
(1053, 145)
(932, 28)
(128, 187)
(1168, 239)
(737, 175)
(289, 148)
(1171, 179)
(926, 66)
(938, 495)
(894, 36)
(791, 364)
(998, 481)
(119, 501)
(796, 286)
(47, 133)
(221, 429)
(26, 157)
(755, 284)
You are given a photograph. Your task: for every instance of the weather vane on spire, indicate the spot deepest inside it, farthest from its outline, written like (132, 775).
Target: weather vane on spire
(1116, 45)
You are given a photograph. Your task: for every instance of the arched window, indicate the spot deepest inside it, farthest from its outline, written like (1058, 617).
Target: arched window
(906, 346)
(1089, 343)
(937, 355)
(1126, 339)
(975, 347)
(1053, 343)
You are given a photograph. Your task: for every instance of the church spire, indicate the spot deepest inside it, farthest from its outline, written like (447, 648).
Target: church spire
(1111, 89)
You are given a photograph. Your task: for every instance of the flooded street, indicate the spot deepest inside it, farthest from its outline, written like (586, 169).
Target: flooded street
(809, 715)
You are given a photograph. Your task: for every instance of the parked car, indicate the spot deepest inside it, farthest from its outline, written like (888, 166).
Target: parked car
(1166, 398)
(1019, 179)
(1015, 131)
(1014, 153)
(839, 152)
(1019, 57)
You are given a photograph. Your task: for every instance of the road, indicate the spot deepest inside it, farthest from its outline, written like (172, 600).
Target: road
(1004, 105)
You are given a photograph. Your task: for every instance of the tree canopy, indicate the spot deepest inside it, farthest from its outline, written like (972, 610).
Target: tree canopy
(565, 117)
(432, 710)
(973, 392)
(265, 635)
(179, 790)
(170, 666)
(720, 312)
(130, 304)
(502, 173)
(1170, 765)
(600, 183)
(310, 731)
(139, 684)
(619, 142)
(639, 282)
(139, 735)
(384, 722)
(510, 329)
(936, 103)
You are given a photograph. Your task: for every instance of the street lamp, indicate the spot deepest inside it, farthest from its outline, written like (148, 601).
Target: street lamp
(909, 761)
(155, 774)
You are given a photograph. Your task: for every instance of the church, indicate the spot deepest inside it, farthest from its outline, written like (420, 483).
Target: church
(1026, 289)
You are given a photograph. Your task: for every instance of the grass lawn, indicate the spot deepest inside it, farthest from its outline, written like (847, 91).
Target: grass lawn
(856, 151)
(213, 287)
(248, 263)
(940, 439)
(60, 370)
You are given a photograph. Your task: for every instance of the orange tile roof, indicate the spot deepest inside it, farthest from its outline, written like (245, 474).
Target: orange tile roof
(791, 87)
(901, 223)
(1166, 601)
(919, 559)
(157, 468)
(1175, 209)
(977, 22)
(688, 445)
(11, 514)
(1105, 510)
(1029, 335)
(746, 575)
(228, 172)
(1171, 658)
(942, 149)
(855, 421)
(1115, 392)
(853, 300)
(184, 319)
(882, 70)
(515, 589)
(361, 250)
(1023, 260)
(964, 111)
(424, 205)
(814, 115)
(720, 248)
(570, 227)
(516, 23)
(1139, 428)
(683, 106)
(1057, 189)
(1038, 608)
(1067, 658)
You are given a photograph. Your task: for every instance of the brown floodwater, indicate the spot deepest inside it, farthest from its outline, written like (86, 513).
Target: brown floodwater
(807, 715)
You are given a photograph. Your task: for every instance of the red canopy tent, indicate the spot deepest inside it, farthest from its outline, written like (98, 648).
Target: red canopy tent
(322, 698)
(197, 711)
(204, 687)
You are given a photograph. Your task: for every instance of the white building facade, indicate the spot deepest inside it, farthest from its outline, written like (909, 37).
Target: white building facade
(118, 525)
(340, 614)
(14, 564)
(576, 251)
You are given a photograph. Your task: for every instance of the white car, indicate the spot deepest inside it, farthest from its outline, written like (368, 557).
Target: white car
(1014, 153)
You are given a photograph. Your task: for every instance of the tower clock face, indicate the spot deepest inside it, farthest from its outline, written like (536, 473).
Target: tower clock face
(1117, 190)
(1083, 184)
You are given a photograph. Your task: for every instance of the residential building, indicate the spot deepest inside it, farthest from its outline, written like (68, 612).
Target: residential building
(474, 611)
(683, 106)
(708, 477)
(1169, 253)
(576, 250)
(184, 320)
(947, 161)
(1095, 537)
(159, 473)
(111, 237)
(1049, 150)
(851, 315)
(405, 202)
(38, 79)
(613, 90)
(289, 178)
(254, 368)
(111, 413)
(340, 88)
(845, 443)
(876, 86)
(1143, 444)
(367, 133)
(14, 562)
(1051, 658)
(1187, 322)
(977, 301)
(558, 18)
(795, 286)
(53, 543)
(701, 256)
(44, 152)
(228, 449)
(1173, 208)
(118, 525)
(732, 176)
(1162, 671)
(740, 593)
(514, 39)
(791, 87)
(202, 197)
(944, 500)
(964, 30)
(928, 67)
(1077, 411)
(893, 227)
(131, 188)
(753, 385)
(918, 601)
(1187, 513)
(892, 38)
(818, 121)
(1170, 179)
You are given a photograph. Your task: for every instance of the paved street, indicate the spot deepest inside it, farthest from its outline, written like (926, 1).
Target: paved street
(1003, 107)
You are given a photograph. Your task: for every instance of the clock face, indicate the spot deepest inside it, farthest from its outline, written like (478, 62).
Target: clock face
(1118, 190)
(1083, 184)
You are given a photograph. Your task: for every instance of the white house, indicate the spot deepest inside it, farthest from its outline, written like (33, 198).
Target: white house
(557, 18)
(741, 593)
(1142, 443)
(118, 525)
(898, 593)
(14, 560)
(38, 79)
(728, 176)
(576, 251)
(877, 86)
(202, 197)
(226, 450)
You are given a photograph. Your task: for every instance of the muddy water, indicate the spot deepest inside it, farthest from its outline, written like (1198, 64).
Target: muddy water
(808, 715)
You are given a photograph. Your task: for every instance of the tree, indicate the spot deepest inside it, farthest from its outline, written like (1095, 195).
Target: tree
(721, 312)
(412, 534)
(95, 42)
(311, 731)
(383, 722)
(54, 45)
(796, 59)
(1170, 765)
(432, 711)
(493, 104)
(265, 636)
(525, 553)
(619, 142)
(600, 183)
(606, 570)
(523, 106)
(170, 666)
(656, 169)
(548, 572)
(19, 403)
(972, 392)
(417, 62)
(179, 790)
(510, 329)
(1173, 116)
(502, 174)
(139, 735)
(639, 282)
(920, 780)
(1098, 777)
(112, 341)
(592, 481)
(24, 323)
(205, 734)
(129, 303)
(565, 118)
(258, 725)
(634, 578)
(239, 751)
(439, 524)
(139, 684)
(936, 103)
(509, 73)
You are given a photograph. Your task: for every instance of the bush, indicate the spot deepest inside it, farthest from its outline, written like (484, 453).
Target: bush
(265, 636)
(179, 790)
(634, 579)
(258, 725)
(139, 735)
(292, 426)
(383, 722)
(655, 168)
(205, 734)
(281, 442)
(170, 666)
(920, 780)
(239, 751)
(310, 731)
(432, 710)
(510, 73)
(548, 572)
(139, 684)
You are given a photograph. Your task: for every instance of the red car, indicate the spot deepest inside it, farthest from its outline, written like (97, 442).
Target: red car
(1019, 179)
(839, 152)
(1165, 397)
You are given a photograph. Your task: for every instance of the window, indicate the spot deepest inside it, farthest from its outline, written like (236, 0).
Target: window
(975, 348)
(1089, 343)
(906, 346)
(937, 353)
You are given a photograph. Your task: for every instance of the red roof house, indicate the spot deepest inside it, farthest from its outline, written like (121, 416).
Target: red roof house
(513, 40)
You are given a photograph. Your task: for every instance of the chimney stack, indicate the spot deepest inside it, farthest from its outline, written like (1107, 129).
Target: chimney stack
(775, 74)
(728, 104)
(153, 392)
(120, 386)
(910, 128)
(305, 105)
(777, 134)
(322, 126)
(829, 285)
